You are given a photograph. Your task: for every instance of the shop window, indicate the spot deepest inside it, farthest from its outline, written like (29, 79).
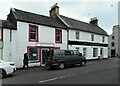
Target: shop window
(84, 52)
(33, 54)
(95, 52)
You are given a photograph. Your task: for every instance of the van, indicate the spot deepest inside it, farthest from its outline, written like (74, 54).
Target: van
(61, 58)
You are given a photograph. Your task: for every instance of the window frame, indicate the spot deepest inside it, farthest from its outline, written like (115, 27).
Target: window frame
(36, 27)
(28, 51)
(103, 38)
(85, 52)
(60, 31)
(112, 44)
(77, 33)
(95, 54)
(92, 37)
(113, 37)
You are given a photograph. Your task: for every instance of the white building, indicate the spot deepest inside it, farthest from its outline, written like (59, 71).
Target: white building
(36, 34)
(88, 38)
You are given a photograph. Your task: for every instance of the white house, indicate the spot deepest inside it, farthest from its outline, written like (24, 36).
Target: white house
(88, 38)
(36, 34)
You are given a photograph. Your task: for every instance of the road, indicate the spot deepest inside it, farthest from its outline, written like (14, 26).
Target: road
(95, 72)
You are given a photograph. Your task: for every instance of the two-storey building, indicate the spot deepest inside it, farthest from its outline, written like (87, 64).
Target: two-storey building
(36, 34)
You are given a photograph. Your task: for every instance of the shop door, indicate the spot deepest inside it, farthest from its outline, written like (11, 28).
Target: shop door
(44, 55)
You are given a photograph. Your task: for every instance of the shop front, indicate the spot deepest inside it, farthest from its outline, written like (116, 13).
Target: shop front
(37, 54)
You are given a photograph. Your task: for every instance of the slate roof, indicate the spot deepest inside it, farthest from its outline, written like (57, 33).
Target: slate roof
(36, 18)
(83, 26)
(48, 21)
(7, 25)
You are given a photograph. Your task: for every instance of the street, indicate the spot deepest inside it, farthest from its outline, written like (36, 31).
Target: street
(95, 72)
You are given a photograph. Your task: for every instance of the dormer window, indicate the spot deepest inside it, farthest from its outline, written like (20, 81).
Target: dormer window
(33, 33)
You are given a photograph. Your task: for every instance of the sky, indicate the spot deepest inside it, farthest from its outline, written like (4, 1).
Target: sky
(105, 10)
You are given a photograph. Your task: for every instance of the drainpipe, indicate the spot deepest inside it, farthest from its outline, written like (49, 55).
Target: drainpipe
(67, 29)
(67, 38)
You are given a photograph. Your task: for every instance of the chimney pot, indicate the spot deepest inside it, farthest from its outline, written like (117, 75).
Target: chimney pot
(94, 21)
(54, 10)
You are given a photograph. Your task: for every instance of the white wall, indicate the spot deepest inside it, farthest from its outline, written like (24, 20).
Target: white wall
(46, 35)
(86, 37)
(6, 40)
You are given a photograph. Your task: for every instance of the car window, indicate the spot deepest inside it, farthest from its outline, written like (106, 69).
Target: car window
(58, 52)
(67, 52)
(76, 52)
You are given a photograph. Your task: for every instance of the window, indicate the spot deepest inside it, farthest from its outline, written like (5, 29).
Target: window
(77, 35)
(92, 37)
(103, 39)
(33, 33)
(77, 48)
(67, 52)
(33, 54)
(95, 52)
(76, 52)
(84, 52)
(112, 44)
(58, 36)
(0, 33)
(113, 37)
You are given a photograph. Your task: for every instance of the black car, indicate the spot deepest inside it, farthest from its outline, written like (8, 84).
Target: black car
(61, 58)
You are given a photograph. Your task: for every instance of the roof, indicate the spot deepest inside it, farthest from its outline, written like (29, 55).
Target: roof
(36, 18)
(83, 26)
(6, 24)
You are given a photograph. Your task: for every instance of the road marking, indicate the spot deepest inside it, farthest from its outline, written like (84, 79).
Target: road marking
(54, 79)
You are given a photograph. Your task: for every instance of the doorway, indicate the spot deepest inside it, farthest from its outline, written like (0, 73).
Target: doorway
(113, 53)
(44, 55)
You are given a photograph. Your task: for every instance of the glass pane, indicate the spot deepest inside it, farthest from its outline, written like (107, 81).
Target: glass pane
(57, 38)
(33, 54)
(32, 36)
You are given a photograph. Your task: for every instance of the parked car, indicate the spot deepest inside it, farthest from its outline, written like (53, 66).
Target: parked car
(6, 68)
(62, 58)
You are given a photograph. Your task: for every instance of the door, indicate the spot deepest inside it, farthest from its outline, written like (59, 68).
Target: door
(101, 52)
(113, 53)
(44, 55)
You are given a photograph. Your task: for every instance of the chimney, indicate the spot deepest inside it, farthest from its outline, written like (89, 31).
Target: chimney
(54, 10)
(94, 21)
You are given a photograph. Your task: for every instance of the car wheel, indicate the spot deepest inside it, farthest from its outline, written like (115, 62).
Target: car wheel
(61, 65)
(3, 73)
(83, 63)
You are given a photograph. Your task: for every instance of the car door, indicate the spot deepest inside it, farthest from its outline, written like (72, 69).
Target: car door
(67, 57)
(77, 56)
